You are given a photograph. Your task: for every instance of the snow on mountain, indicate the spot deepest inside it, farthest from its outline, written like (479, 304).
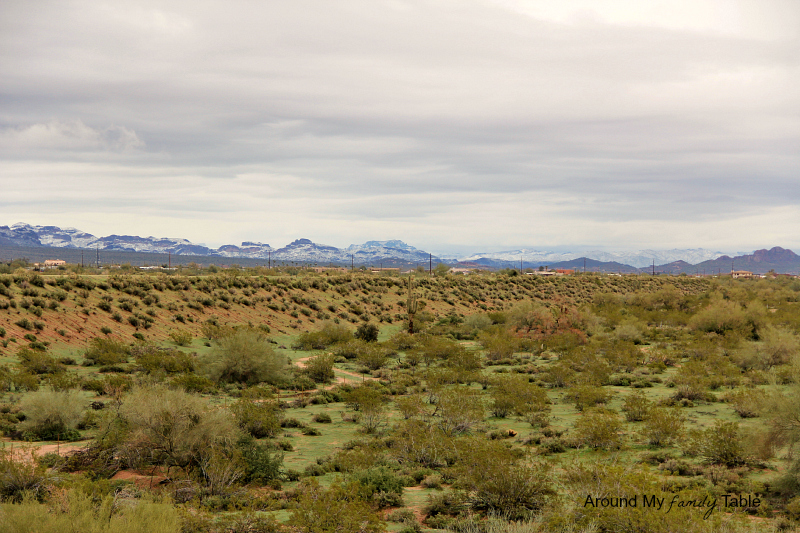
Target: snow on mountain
(305, 251)
(55, 236)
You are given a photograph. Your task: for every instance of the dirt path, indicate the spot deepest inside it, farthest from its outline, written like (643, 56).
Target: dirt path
(23, 451)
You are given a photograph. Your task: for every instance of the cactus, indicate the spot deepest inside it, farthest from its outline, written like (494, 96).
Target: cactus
(411, 304)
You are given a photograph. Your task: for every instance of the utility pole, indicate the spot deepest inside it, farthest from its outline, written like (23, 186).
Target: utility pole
(654, 267)
(97, 248)
(81, 258)
(170, 260)
(269, 254)
(430, 265)
(584, 265)
(352, 262)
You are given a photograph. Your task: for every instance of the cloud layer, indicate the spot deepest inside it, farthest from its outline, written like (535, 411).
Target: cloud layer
(450, 124)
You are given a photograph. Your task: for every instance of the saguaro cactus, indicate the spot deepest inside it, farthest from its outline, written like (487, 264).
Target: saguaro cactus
(411, 304)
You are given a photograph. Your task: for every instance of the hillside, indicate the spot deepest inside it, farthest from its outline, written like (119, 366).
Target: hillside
(62, 307)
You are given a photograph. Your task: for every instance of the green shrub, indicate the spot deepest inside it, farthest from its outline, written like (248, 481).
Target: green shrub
(172, 428)
(262, 464)
(39, 361)
(339, 509)
(51, 415)
(181, 337)
(154, 359)
(21, 476)
(636, 406)
(244, 356)
(78, 511)
(514, 394)
(662, 426)
(103, 351)
(587, 396)
(720, 444)
(599, 428)
(258, 418)
(322, 418)
(320, 368)
(367, 332)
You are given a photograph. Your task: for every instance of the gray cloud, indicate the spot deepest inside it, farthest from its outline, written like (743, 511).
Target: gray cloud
(446, 122)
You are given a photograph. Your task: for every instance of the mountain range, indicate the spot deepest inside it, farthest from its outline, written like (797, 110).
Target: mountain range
(393, 252)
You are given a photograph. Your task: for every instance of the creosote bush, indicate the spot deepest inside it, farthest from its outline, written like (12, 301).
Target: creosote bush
(52, 415)
(244, 356)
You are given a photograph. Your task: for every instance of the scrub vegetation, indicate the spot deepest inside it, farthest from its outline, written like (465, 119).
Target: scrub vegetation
(288, 400)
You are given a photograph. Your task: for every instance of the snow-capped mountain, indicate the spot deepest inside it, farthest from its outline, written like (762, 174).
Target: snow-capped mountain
(301, 250)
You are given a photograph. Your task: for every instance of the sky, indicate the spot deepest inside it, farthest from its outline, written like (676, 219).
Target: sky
(454, 125)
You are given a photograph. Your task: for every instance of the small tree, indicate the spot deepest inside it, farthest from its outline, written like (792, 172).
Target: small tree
(369, 403)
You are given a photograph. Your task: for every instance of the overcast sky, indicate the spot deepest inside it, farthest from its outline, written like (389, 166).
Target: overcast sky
(450, 124)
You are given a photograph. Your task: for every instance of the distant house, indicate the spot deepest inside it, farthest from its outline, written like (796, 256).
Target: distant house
(50, 263)
(376, 270)
(745, 274)
(565, 271)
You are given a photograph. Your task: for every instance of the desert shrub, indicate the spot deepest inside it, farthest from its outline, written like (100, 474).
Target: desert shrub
(402, 340)
(779, 346)
(21, 476)
(599, 428)
(154, 359)
(662, 426)
(258, 418)
(499, 483)
(372, 356)
(459, 409)
(719, 444)
(587, 396)
(171, 428)
(636, 406)
(516, 395)
(746, 402)
(499, 344)
(322, 418)
(378, 483)
(76, 510)
(367, 332)
(728, 317)
(39, 361)
(340, 509)
(51, 415)
(181, 337)
(320, 368)
(369, 402)
(262, 464)
(194, 383)
(244, 356)
(103, 351)
(328, 335)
